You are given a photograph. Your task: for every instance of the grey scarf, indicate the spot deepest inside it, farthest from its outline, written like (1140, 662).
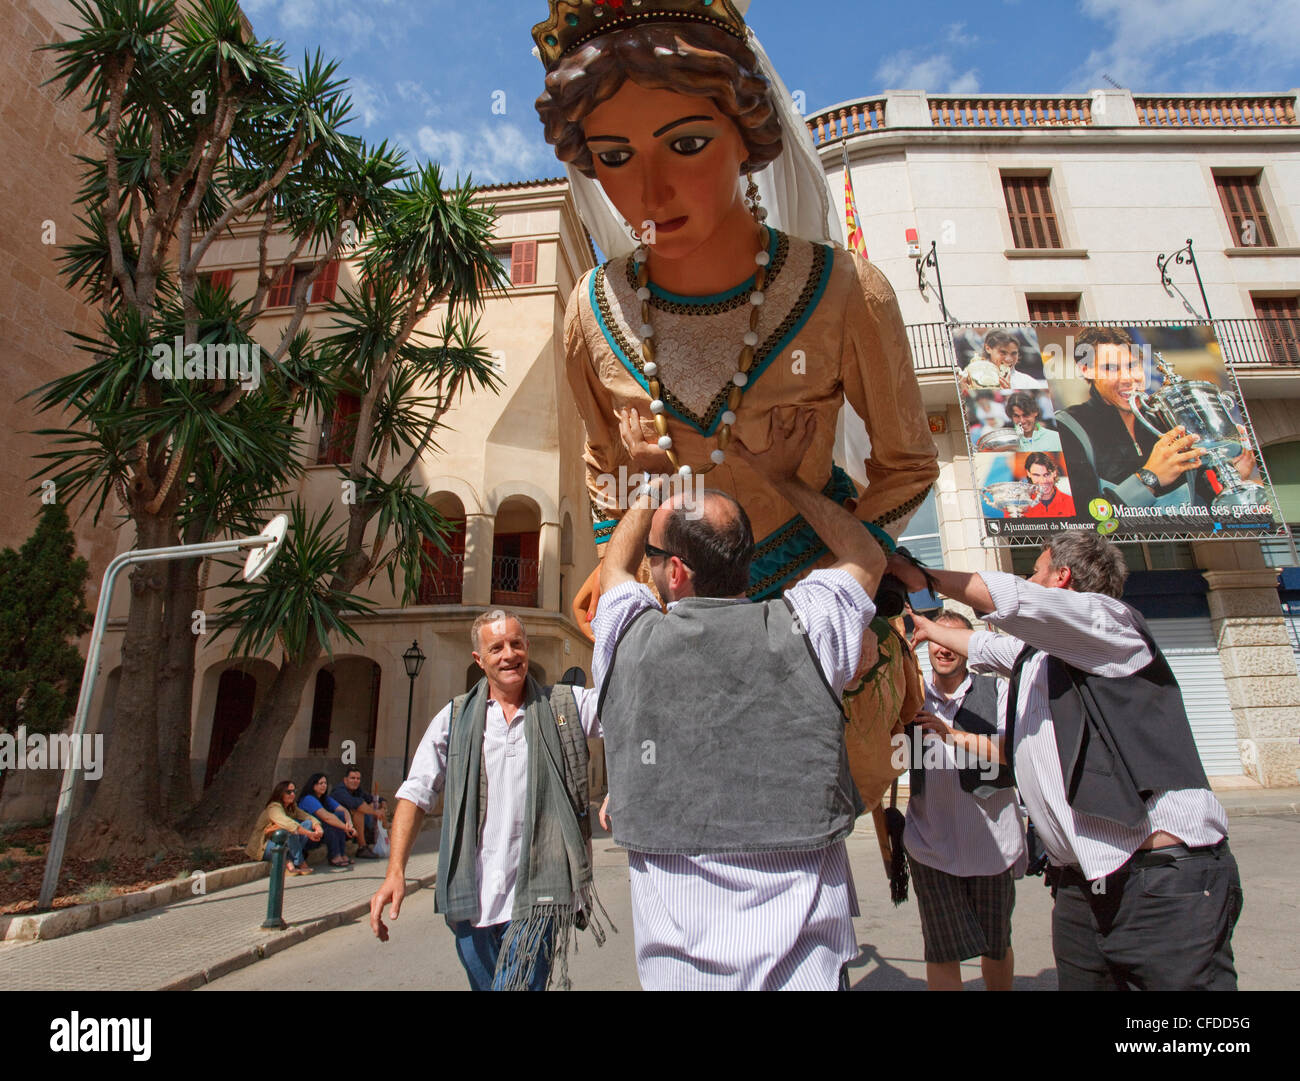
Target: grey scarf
(554, 862)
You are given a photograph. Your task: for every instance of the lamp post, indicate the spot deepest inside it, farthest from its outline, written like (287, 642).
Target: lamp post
(261, 549)
(413, 658)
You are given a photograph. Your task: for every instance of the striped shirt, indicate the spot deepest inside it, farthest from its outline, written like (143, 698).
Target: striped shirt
(1096, 634)
(755, 921)
(951, 830)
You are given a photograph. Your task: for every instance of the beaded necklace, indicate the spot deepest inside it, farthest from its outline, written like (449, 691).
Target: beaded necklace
(743, 365)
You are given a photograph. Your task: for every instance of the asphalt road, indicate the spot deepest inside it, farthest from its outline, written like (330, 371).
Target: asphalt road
(420, 954)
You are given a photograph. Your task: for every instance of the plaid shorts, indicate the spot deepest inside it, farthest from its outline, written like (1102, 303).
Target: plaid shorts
(963, 917)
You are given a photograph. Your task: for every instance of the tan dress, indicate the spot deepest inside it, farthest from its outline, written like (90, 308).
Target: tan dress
(830, 331)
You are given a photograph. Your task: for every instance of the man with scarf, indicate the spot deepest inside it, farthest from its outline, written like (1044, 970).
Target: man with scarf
(514, 863)
(728, 774)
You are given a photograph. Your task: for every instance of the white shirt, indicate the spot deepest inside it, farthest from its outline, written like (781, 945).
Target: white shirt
(505, 753)
(949, 829)
(756, 921)
(1096, 634)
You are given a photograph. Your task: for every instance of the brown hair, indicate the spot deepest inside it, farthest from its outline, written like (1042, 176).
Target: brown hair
(1096, 565)
(687, 58)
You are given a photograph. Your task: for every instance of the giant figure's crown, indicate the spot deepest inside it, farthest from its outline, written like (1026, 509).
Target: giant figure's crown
(573, 22)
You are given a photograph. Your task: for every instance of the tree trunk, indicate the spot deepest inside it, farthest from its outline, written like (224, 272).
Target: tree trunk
(125, 817)
(230, 806)
(176, 686)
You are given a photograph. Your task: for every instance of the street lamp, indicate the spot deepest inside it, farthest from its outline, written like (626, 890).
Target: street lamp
(413, 658)
(261, 549)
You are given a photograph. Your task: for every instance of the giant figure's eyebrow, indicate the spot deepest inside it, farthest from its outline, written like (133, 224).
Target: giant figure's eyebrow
(678, 123)
(661, 131)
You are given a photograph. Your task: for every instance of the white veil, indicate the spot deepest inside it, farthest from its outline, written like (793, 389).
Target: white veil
(797, 195)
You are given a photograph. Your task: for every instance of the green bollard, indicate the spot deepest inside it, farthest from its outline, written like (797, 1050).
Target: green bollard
(275, 895)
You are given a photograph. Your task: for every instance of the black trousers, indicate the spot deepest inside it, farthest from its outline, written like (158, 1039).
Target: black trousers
(1162, 922)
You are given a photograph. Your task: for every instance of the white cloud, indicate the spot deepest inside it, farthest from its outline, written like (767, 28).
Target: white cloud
(936, 74)
(1192, 44)
(413, 93)
(494, 152)
(368, 102)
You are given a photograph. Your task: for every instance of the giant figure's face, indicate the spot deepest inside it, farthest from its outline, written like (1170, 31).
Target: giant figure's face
(668, 158)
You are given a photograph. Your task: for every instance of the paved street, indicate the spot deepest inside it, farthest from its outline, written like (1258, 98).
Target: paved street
(420, 953)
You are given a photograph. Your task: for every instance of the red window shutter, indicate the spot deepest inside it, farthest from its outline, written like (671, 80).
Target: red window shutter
(281, 290)
(322, 288)
(523, 262)
(1053, 309)
(1029, 207)
(1243, 205)
(221, 279)
(528, 549)
(339, 433)
(1279, 324)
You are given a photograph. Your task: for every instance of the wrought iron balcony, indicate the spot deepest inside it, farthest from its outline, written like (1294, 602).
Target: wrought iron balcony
(514, 581)
(1246, 343)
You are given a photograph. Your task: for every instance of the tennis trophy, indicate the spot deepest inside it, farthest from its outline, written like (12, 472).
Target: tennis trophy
(1202, 408)
(1000, 439)
(1011, 497)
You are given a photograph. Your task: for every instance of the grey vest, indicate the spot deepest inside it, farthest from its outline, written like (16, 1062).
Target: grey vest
(722, 734)
(977, 713)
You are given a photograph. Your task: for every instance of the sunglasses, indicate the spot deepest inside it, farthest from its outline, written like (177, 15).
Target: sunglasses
(651, 551)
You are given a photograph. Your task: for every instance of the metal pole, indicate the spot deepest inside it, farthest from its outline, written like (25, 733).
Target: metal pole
(59, 836)
(406, 751)
(1191, 255)
(277, 849)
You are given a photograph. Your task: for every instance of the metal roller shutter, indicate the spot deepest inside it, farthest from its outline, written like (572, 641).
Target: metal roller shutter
(1189, 646)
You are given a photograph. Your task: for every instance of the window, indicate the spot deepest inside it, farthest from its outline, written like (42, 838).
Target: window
(1029, 206)
(442, 575)
(1243, 203)
(219, 279)
(1279, 326)
(1053, 309)
(523, 262)
(514, 569)
(322, 289)
(340, 431)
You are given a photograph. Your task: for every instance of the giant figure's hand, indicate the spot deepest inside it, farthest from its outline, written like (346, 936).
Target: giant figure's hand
(646, 457)
(792, 433)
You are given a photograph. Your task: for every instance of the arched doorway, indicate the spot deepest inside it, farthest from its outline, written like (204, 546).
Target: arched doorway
(236, 696)
(442, 574)
(515, 553)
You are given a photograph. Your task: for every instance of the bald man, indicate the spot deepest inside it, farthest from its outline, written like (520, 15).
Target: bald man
(729, 780)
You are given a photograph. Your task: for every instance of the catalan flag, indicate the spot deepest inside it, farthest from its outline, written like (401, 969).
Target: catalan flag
(853, 230)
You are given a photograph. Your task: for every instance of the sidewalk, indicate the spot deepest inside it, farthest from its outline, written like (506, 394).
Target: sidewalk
(188, 944)
(184, 945)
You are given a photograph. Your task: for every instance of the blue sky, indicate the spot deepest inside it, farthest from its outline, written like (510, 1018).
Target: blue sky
(426, 73)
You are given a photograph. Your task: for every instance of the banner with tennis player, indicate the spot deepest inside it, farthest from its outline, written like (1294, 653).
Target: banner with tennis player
(1140, 432)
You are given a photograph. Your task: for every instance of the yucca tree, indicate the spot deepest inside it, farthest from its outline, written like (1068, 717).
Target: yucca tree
(432, 249)
(199, 126)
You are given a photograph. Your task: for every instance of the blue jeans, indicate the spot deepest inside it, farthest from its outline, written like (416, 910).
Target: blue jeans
(479, 948)
(296, 845)
(333, 841)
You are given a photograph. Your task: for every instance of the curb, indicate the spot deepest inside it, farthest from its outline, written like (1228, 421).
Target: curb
(1251, 810)
(248, 955)
(66, 921)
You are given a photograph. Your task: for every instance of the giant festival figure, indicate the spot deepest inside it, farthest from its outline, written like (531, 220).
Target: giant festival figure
(724, 298)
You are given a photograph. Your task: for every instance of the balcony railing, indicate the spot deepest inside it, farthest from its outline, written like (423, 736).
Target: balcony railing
(1001, 112)
(1215, 111)
(444, 582)
(1247, 343)
(514, 581)
(1008, 112)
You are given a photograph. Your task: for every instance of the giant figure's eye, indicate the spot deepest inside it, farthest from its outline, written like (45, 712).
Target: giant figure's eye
(688, 145)
(612, 159)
